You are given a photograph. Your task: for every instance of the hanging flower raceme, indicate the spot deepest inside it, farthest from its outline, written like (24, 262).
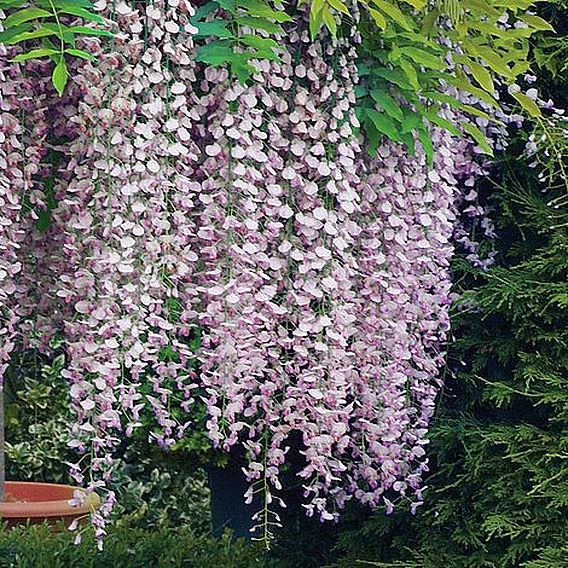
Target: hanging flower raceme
(23, 127)
(270, 187)
(127, 203)
(40, 250)
(13, 183)
(325, 281)
(407, 219)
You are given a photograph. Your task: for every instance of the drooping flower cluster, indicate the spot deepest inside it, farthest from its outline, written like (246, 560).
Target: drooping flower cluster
(275, 283)
(23, 129)
(318, 276)
(325, 282)
(127, 208)
(13, 183)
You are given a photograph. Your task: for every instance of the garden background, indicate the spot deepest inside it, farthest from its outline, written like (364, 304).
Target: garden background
(497, 489)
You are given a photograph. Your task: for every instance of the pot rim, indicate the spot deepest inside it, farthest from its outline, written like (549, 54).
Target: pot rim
(47, 508)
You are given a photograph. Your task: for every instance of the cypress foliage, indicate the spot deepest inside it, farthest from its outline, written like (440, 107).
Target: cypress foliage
(498, 492)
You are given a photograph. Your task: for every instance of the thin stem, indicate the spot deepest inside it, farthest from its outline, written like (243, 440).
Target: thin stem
(61, 42)
(265, 491)
(2, 448)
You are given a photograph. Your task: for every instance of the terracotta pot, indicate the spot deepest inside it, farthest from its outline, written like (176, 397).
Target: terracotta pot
(29, 502)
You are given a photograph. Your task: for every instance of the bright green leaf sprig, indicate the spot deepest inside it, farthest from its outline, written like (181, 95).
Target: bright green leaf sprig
(412, 50)
(239, 29)
(38, 26)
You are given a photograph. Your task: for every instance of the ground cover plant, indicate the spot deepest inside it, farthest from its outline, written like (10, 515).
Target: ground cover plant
(36, 547)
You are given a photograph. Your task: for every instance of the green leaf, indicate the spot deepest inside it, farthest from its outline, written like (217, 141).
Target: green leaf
(262, 48)
(520, 68)
(263, 10)
(424, 58)
(429, 22)
(393, 12)
(43, 221)
(363, 69)
(242, 70)
(373, 136)
(329, 21)
(316, 18)
(481, 75)
(436, 119)
(379, 19)
(482, 7)
(257, 23)
(537, 23)
(454, 103)
(417, 4)
(82, 13)
(83, 30)
(8, 4)
(493, 59)
(204, 11)
(60, 76)
(494, 30)
(426, 140)
(418, 40)
(65, 4)
(25, 16)
(62, 32)
(360, 91)
(407, 138)
(6, 35)
(215, 28)
(42, 32)
(80, 53)
(463, 84)
(388, 104)
(412, 121)
(339, 6)
(258, 42)
(411, 74)
(510, 4)
(216, 53)
(528, 104)
(394, 76)
(227, 5)
(478, 136)
(383, 124)
(34, 54)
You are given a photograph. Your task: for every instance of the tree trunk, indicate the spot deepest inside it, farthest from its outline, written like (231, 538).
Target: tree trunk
(2, 450)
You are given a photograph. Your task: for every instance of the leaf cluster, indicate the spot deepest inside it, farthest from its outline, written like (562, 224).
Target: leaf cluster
(412, 51)
(39, 27)
(240, 32)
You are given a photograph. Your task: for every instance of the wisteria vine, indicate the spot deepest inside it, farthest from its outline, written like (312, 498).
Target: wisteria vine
(185, 202)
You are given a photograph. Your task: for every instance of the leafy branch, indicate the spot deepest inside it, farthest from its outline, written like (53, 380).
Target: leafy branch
(413, 50)
(38, 27)
(239, 29)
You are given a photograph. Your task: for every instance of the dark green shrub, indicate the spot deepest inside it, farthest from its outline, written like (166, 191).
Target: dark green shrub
(125, 547)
